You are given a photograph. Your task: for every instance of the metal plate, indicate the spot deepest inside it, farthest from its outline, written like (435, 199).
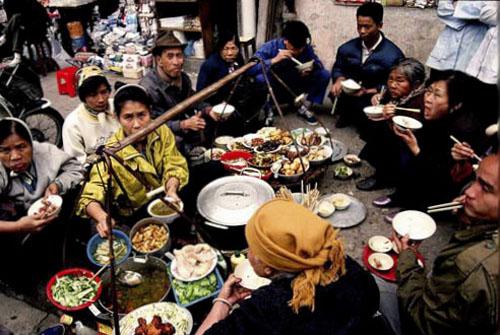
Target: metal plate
(349, 217)
(231, 201)
(339, 150)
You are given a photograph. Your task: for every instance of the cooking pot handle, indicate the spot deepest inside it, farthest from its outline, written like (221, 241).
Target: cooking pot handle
(251, 172)
(216, 225)
(97, 312)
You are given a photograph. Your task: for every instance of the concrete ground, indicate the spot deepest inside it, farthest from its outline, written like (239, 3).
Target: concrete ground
(25, 318)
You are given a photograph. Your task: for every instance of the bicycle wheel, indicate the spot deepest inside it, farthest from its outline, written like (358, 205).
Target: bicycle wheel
(45, 125)
(5, 108)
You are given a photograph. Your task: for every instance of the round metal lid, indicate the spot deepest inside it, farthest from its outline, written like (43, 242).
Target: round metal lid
(231, 201)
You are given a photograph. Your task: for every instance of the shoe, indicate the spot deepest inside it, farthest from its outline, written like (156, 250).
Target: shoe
(308, 116)
(368, 184)
(383, 201)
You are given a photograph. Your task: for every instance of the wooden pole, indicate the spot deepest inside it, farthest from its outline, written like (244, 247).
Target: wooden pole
(179, 108)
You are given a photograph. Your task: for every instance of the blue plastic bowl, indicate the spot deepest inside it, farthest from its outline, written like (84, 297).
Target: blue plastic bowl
(96, 240)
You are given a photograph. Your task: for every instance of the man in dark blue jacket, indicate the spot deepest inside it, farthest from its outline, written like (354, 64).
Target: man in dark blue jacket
(367, 60)
(282, 55)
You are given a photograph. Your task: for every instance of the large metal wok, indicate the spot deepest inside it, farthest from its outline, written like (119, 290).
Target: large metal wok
(154, 288)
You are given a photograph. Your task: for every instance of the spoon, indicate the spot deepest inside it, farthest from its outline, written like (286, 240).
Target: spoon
(129, 278)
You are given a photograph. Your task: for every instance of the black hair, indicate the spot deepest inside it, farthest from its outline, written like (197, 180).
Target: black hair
(11, 127)
(130, 93)
(224, 37)
(91, 85)
(297, 33)
(456, 84)
(413, 70)
(373, 10)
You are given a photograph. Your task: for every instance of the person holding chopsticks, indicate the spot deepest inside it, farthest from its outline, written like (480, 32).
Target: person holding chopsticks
(422, 175)
(405, 88)
(460, 295)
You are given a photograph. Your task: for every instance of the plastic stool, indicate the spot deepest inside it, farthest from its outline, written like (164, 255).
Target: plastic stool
(66, 81)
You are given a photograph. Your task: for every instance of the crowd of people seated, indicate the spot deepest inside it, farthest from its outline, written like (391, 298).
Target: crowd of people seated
(316, 287)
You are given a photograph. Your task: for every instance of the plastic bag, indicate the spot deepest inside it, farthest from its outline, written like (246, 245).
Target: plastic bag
(58, 53)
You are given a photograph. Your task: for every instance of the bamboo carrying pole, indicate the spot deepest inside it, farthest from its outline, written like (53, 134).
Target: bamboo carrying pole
(179, 108)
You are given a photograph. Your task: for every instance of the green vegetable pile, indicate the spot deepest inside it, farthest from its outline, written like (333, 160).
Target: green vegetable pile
(342, 171)
(191, 291)
(73, 291)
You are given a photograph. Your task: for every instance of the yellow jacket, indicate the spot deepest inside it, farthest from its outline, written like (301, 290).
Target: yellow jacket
(160, 162)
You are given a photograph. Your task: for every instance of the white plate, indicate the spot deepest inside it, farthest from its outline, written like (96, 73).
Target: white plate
(249, 279)
(406, 122)
(55, 200)
(385, 261)
(247, 140)
(175, 273)
(379, 243)
(417, 225)
(178, 316)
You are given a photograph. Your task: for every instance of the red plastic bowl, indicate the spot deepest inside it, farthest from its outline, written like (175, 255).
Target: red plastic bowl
(77, 272)
(230, 155)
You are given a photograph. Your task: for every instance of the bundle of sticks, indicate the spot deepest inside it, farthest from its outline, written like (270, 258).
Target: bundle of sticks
(309, 197)
(444, 207)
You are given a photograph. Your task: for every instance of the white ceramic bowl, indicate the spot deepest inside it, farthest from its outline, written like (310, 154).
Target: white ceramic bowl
(224, 110)
(374, 112)
(349, 86)
(292, 178)
(164, 218)
(379, 243)
(328, 154)
(340, 200)
(385, 262)
(307, 66)
(55, 200)
(405, 122)
(351, 160)
(223, 141)
(249, 279)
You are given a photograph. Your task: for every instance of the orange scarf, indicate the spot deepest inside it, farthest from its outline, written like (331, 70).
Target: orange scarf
(288, 237)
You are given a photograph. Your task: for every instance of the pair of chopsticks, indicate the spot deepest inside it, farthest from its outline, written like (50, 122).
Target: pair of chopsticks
(414, 110)
(444, 207)
(454, 139)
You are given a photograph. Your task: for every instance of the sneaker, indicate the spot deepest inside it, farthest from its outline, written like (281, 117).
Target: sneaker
(308, 116)
(383, 201)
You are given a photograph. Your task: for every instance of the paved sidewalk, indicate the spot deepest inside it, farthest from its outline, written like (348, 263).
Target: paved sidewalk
(23, 319)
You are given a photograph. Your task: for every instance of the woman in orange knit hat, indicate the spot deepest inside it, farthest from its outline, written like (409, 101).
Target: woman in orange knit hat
(315, 288)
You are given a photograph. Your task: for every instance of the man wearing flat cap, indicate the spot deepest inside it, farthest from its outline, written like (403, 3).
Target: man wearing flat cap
(168, 85)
